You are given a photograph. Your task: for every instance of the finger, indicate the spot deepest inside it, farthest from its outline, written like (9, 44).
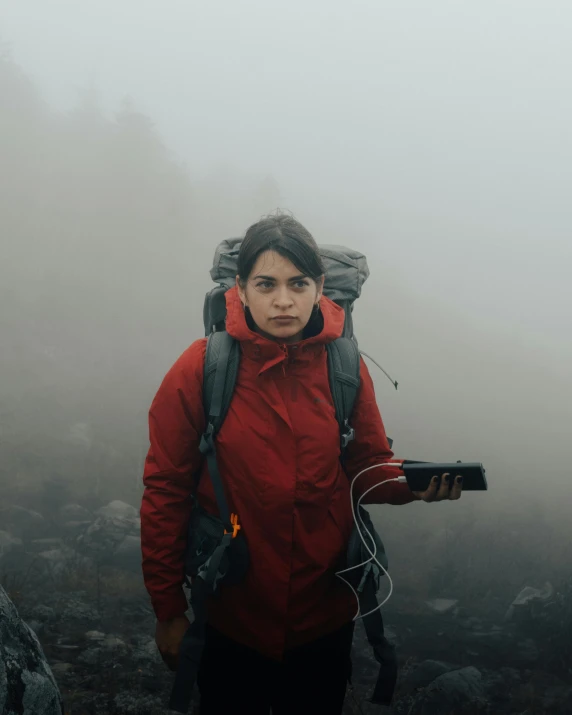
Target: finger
(430, 493)
(443, 492)
(457, 488)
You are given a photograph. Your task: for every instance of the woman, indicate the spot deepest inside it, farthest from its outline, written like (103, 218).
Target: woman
(282, 638)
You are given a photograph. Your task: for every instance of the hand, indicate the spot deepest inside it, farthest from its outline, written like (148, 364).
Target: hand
(438, 493)
(168, 637)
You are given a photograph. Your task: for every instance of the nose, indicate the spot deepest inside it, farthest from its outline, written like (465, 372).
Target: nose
(283, 298)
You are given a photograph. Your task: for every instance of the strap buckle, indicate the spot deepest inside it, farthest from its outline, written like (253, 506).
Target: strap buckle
(347, 436)
(235, 525)
(207, 440)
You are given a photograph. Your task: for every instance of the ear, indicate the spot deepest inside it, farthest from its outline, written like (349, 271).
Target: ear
(241, 291)
(320, 284)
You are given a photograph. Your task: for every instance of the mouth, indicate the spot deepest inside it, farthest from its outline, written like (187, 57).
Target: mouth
(284, 318)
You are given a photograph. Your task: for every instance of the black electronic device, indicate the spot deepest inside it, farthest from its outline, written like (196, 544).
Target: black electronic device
(419, 474)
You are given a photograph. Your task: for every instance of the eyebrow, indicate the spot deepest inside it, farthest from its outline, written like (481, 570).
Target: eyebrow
(271, 278)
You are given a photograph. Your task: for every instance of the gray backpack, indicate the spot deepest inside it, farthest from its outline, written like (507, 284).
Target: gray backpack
(346, 272)
(214, 556)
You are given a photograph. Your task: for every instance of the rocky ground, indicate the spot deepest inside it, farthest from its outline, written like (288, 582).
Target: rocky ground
(76, 628)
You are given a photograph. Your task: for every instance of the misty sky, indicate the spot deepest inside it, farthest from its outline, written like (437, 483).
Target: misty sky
(435, 136)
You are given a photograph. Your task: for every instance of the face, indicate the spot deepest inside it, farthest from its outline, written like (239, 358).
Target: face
(280, 298)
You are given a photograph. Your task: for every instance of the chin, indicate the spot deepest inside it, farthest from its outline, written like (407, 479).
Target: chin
(283, 333)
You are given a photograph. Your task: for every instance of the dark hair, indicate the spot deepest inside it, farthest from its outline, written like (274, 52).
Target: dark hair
(281, 233)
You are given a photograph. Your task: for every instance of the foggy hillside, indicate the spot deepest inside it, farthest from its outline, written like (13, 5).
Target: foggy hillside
(107, 246)
(108, 241)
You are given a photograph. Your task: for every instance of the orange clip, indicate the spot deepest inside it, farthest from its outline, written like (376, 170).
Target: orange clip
(235, 525)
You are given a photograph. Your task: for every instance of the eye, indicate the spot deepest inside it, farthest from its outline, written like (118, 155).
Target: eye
(301, 284)
(266, 285)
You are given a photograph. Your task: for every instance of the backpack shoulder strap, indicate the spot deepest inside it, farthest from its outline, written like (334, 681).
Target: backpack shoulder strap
(222, 361)
(344, 376)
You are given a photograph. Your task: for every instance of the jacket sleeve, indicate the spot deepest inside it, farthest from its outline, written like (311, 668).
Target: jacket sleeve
(371, 447)
(176, 422)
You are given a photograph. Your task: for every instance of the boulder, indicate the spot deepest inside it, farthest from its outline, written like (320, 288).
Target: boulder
(426, 672)
(27, 684)
(118, 510)
(527, 599)
(459, 691)
(442, 605)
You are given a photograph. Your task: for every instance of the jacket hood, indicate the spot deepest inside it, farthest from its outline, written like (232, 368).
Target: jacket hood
(270, 351)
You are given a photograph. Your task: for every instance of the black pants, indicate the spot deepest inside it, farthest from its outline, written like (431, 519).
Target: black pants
(311, 680)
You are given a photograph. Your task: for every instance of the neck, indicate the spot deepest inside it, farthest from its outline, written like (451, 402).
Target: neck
(314, 326)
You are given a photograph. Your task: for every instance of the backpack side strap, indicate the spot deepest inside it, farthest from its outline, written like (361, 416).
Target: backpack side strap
(222, 361)
(344, 376)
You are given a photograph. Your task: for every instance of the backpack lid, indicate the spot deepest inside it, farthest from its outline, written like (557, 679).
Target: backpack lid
(225, 262)
(346, 269)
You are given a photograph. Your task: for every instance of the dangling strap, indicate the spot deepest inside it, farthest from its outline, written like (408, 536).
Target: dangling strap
(383, 650)
(193, 643)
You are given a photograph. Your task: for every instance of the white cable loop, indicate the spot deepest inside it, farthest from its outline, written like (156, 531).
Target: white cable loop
(363, 526)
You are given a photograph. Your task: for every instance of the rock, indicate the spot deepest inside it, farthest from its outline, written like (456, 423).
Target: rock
(27, 684)
(426, 672)
(64, 648)
(91, 656)
(78, 614)
(527, 598)
(129, 704)
(59, 669)
(58, 562)
(442, 605)
(95, 636)
(118, 510)
(114, 538)
(459, 691)
(23, 523)
(106, 534)
(145, 651)
(113, 643)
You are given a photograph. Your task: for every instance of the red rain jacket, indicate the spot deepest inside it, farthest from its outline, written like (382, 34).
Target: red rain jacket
(278, 453)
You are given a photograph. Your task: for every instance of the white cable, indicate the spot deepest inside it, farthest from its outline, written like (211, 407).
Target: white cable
(364, 528)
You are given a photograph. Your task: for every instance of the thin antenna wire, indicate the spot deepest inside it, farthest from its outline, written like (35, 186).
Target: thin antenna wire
(393, 382)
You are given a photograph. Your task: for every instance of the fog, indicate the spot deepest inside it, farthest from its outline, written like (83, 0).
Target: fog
(435, 137)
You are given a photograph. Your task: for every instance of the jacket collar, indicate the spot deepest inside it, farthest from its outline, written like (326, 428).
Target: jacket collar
(269, 352)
